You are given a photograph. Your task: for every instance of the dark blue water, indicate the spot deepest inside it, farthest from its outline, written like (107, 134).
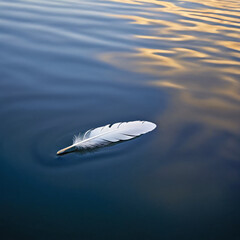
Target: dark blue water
(67, 66)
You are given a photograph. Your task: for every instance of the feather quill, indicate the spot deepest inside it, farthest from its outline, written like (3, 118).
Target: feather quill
(108, 134)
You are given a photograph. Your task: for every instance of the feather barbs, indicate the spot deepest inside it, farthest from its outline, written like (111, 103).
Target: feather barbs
(108, 134)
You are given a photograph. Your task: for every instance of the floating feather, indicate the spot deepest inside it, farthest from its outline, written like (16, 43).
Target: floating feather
(108, 134)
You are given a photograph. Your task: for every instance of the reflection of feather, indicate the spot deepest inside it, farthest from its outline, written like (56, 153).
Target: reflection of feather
(108, 134)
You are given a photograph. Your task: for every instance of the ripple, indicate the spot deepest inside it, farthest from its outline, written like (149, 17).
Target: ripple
(195, 52)
(68, 66)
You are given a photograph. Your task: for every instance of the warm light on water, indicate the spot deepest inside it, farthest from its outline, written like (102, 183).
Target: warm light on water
(194, 48)
(68, 66)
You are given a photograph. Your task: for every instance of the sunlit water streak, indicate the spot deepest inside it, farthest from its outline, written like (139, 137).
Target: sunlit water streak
(193, 48)
(67, 66)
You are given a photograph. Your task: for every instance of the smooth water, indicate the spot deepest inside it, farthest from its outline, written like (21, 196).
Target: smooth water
(67, 66)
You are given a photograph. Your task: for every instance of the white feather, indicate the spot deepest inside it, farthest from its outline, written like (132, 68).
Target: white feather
(108, 134)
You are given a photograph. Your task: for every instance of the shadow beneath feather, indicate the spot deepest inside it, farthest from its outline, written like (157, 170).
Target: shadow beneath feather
(81, 156)
(84, 156)
(93, 150)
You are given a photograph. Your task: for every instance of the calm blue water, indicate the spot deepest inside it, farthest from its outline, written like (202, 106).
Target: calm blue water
(67, 66)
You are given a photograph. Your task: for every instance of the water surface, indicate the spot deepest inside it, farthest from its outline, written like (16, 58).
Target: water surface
(67, 66)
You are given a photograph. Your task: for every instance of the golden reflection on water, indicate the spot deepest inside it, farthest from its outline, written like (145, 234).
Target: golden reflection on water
(195, 56)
